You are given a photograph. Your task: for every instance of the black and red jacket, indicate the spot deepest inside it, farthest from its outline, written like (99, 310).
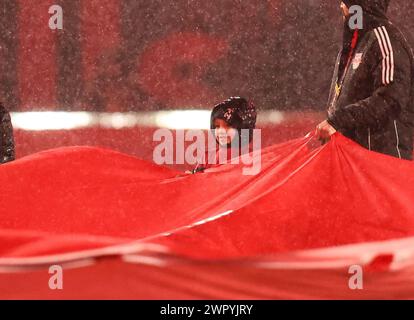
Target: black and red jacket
(6, 136)
(372, 93)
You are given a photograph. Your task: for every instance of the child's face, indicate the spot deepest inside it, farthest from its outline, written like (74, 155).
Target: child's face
(223, 132)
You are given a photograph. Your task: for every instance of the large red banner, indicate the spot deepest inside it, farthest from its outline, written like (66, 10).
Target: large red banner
(79, 204)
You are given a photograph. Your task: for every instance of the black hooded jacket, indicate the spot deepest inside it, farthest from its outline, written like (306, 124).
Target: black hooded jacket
(372, 93)
(6, 136)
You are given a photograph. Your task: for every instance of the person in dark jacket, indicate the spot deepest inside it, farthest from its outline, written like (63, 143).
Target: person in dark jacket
(6, 136)
(372, 93)
(227, 121)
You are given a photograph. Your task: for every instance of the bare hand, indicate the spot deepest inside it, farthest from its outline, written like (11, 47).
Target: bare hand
(324, 131)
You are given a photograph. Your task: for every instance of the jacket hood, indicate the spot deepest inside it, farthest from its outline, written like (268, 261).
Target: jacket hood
(374, 8)
(374, 15)
(374, 12)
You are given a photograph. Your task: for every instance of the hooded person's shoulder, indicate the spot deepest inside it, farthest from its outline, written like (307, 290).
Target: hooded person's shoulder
(377, 23)
(399, 37)
(391, 39)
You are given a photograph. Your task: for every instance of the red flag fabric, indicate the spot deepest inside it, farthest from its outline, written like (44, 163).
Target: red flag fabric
(80, 203)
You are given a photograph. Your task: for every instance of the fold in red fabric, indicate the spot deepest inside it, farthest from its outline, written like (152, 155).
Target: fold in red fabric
(76, 200)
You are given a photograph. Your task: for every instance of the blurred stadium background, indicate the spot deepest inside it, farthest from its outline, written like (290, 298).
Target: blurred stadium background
(119, 69)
